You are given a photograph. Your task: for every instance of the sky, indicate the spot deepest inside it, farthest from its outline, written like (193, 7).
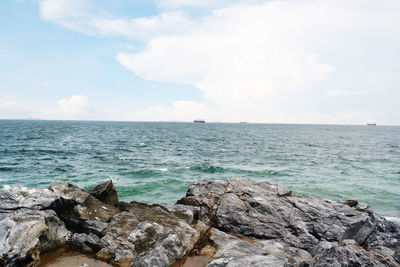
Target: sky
(270, 61)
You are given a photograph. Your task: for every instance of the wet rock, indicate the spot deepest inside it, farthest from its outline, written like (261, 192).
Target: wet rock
(105, 192)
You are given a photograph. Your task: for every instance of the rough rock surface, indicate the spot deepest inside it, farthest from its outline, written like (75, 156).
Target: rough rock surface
(105, 192)
(235, 222)
(310, 230)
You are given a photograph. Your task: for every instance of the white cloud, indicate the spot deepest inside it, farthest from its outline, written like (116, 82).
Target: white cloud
(9, 104)
(180, 111)
(242, 55)
(86, 17)
(75, 107)
(11, 109)
(261, 59)
(250, 59)
(143, 28)
(72, 14)
(338, 93)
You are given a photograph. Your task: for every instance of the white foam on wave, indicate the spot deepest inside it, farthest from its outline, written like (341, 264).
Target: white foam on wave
(393, 219)
(163, 169)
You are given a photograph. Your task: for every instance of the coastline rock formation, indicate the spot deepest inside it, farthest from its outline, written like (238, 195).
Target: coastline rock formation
(232, 222)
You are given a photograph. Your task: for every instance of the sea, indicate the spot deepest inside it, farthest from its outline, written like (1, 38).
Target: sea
(155, 162)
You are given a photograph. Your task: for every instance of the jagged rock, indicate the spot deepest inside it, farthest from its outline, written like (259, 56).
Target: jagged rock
(96, 227)
(233, 251)
(105, 192)
(146, 235)
(69, 191)
(86, 243)
(351, 202)
(188, 213)
(25, 233)
(302, 224)
(235, 222)
(18, 197)
(78, 209)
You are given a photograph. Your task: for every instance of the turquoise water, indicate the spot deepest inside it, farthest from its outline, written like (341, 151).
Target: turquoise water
(155, 162)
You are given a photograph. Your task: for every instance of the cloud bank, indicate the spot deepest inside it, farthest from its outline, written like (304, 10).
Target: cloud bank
(252, 60)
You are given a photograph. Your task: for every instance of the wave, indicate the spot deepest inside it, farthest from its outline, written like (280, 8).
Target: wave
(207, 169)
(219, 169)
(393, 219)
(5, 169)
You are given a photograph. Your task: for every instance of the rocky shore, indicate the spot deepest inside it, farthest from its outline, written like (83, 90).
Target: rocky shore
(229, 222)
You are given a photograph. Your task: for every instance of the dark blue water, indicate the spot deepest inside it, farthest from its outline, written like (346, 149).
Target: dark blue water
(155, 162)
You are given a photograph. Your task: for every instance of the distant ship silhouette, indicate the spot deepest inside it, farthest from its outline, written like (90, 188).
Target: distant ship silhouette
(371, 124)
(199, 121)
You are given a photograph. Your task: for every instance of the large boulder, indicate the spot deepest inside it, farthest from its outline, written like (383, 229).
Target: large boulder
(146, 235)
(234, 251)
(80, 211)
(266, 211)
(27, 226)
(105, 192)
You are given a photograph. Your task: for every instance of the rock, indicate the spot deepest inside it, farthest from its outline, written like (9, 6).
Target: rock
(78, 209)
(69, 191)
(18, 197)
(187, 213)
(96, 227)
(25, 233)
(300, 224)
(146, 235)
(105, 192)
(233, 251)
(351, 202)
(234, 222)
(350, 254)
(86, 243)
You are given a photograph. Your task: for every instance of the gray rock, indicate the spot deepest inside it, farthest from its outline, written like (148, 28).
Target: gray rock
(146, 234)
(96, 227)
(233, 251)
(78, 209)
(86, 243)
(69, 191)
(25, 233)
(299, 224)
(238, 223)
(18, 197)
(187, 213)
(105, 192)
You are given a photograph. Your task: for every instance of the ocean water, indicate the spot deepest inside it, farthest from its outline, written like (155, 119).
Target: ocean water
(155, 162)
